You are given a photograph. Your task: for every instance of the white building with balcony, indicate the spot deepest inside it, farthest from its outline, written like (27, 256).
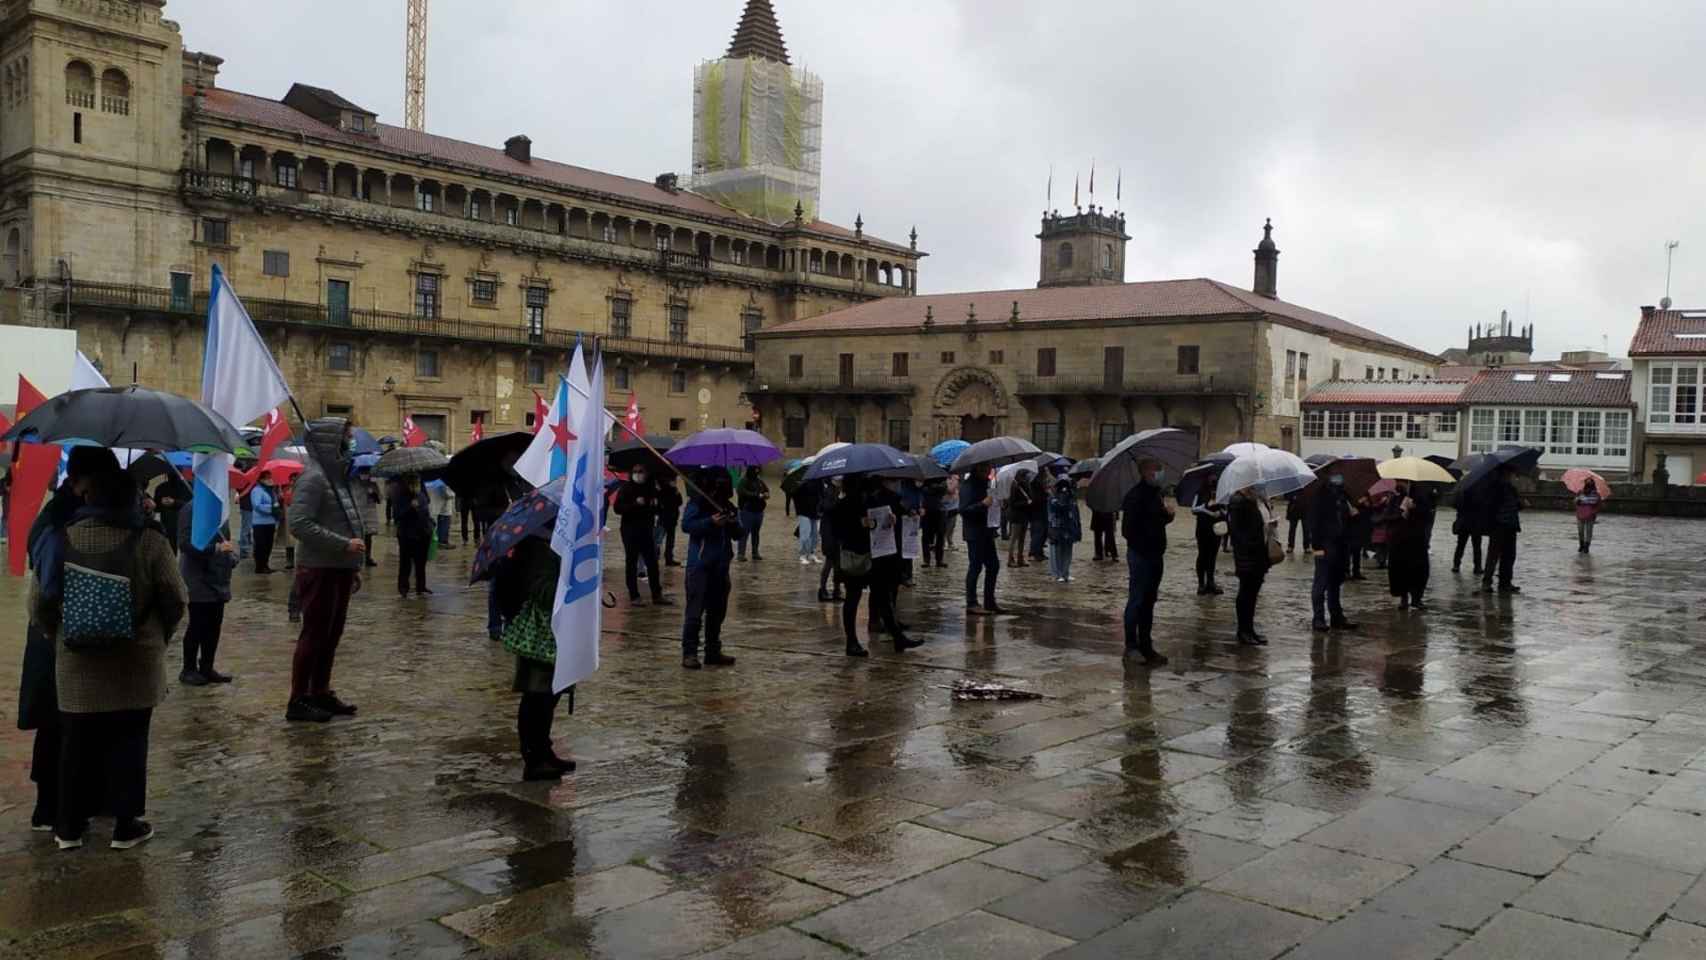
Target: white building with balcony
(1668, 356)
(1374, 418)
(1578, 418)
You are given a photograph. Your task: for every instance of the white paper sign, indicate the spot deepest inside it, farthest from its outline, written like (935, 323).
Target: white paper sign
(882, 538)
(994, 513)
(911, 538)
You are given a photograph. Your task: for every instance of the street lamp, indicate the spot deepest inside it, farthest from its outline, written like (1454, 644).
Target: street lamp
(1397, 451)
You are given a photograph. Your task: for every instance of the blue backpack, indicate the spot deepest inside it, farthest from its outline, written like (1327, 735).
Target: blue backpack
(96, 599)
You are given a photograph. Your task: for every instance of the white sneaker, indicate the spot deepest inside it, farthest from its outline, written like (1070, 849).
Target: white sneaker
(805, 561)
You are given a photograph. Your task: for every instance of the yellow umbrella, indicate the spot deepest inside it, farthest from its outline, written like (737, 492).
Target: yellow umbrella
(1416, 470)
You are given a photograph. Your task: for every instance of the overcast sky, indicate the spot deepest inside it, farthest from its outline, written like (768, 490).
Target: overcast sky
(1423, 169)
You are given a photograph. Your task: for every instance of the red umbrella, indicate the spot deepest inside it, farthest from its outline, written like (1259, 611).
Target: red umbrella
(1577, 478)
(1701, 480)
(1383, 488)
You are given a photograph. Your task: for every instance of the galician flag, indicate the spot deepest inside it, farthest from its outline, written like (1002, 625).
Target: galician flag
(577, 616)
(547, 458)
(633, 421)
(240, 382)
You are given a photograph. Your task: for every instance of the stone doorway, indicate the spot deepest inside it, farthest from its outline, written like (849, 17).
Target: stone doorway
(973, 429)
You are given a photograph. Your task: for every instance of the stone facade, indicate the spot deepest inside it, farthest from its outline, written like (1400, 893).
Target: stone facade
(393, 272)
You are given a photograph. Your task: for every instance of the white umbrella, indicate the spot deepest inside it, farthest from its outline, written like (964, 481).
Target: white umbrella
(1245, 449)
(830, 449)
(1274, 473)
(1004, 477)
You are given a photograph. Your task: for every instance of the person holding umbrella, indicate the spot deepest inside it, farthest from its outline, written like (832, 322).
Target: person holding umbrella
(1588, 504)
(1211, 522)
(983, 557)
(1064, 529)
(1467, 526)
(1145, 517)
(1019, 511)
(853, 525)
(1248, 529)
(524, 584)
(1408, 521)
(415, 531)
(832, 494)
(1329, 518)
(754, 495)
(636, 504)
(1503, 506)
(712, 525)
(326, 520)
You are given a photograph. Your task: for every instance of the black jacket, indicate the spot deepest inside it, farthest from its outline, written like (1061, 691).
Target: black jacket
(414, 514)
(1329, 517)
(1504, 506)
(206, 573)
(752, 491)
(806, 497)
(1143, 521)
(669, 501)
(1249, 536)
(637, 516)
(972, 494)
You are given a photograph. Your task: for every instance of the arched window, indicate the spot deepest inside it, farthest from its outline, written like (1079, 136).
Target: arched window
(115, 92)
(1108, 257)
(80, 84)
(14, 254)
(1065, 255)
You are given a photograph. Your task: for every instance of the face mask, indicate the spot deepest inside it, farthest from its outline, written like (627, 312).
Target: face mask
(639, 478)
(1158, 479)
(1336, 481)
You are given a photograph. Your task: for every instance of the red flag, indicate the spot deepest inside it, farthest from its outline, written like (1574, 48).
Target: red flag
(275, 432)
(634, 421)
(478, 433)
(541, 412)
(413, 436)
(32, 473)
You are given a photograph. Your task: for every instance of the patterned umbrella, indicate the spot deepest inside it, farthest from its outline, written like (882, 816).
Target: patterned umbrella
(533, 515)
(402, 461)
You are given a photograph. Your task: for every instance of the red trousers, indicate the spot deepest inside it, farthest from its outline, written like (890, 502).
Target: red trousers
(324, 595)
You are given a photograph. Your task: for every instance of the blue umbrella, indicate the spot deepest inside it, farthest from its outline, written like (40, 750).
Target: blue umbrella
(1520, 459)
(363, 462)
(724, 447)
(860, 458)
(364, 442)
(533, 515)
(947, 451)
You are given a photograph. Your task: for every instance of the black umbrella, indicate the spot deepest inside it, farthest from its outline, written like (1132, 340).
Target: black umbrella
(1520, 459)
(1319, 459)
(922, 469)
(1192, 480)
(1084, 467)
(630, 453)
(994, 452)
(479, 466)
(1445, 463)
(862, 458)
(1121, 467)
(130, 417)
(1360, 474)
(151, 467)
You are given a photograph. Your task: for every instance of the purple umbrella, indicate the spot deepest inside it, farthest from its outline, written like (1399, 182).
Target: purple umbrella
(723, 447)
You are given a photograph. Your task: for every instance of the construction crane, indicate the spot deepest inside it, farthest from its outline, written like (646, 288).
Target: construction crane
(414, 66)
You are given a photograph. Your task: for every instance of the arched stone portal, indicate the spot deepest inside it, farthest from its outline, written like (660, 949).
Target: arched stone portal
(970, 404)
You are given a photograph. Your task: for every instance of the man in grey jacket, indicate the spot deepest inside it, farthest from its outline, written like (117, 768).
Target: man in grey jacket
(326, 521)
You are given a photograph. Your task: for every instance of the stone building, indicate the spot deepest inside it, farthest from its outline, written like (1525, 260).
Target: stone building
(1074, 365)
(392, 271)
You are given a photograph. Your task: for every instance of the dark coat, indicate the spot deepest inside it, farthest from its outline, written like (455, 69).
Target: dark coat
(413, 514)
(1249, 537)
(636, 516)
(206, 573)
(753, 493)
(972, 494)
(1143, 521)
(806, 497)
(847, 519)
(38, 691)
(669, 501)
(709, 546)
(1504, 506)
(1329, 518)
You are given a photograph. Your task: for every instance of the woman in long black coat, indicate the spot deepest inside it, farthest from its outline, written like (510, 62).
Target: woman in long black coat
(38, 691)
(1248, 529)
(1407, 540)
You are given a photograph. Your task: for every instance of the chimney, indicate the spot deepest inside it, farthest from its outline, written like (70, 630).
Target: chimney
(1267, 264)
(519, 147)
(668, 182)
(1647, 312)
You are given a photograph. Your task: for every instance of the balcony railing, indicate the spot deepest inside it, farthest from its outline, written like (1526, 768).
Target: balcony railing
(1224, 384)
(856, 385)
(84, 100)
(118, 105)
(293, 313)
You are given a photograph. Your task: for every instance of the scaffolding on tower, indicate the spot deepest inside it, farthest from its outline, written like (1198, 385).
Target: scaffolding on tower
(414, 66)
(758, 137)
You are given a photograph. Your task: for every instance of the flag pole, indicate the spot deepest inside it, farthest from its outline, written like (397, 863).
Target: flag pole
(691, 486)
(304, 418)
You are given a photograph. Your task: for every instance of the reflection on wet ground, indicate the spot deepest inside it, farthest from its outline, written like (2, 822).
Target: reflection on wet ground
(1497, 777)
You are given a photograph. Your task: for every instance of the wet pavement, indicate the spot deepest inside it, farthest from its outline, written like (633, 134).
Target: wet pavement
(1499, 777)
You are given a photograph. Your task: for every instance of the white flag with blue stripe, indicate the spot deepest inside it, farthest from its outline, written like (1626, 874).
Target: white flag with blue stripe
(577, 615)
(547, 457)
(239, 381)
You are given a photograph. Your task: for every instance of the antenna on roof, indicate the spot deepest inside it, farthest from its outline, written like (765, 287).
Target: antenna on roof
(1670, 250)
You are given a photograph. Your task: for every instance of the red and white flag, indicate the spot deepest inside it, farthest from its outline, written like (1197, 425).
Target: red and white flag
(478, 433)
(274, 432)
(541, 412)
(633, 420)
(413, 436)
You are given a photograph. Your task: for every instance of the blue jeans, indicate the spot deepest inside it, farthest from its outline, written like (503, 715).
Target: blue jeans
(808, 537)
(246, 534)
(1060, 559)
(444, 530)
(1142, 590)
(751, 522)
(1324, 589)
(983, 556)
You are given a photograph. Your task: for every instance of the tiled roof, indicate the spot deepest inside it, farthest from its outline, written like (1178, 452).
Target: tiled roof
(1391, 393)
(1669, 333)
(758, 35)
(331, 97)
(246, 108)
(1549, 387)
(1150, 300)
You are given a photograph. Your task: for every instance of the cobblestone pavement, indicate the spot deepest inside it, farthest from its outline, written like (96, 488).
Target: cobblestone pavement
(1498, 777)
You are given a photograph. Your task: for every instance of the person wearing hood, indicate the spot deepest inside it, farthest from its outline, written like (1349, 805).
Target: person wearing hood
(415, 531)
(107, 684)
(326, 520)
(207, 582)
(1065, 528)
(1331, 534)
(1144, 520)
(1408, 520)
(637, 504)
(38, 691)
(712, 524)
(268, 510)
(754, 496)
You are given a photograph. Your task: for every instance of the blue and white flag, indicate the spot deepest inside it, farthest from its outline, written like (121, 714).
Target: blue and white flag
(577, 616)
(239, 381)
(547, 457)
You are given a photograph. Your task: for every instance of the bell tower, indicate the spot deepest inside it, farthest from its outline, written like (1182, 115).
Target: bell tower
(1082, 250)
